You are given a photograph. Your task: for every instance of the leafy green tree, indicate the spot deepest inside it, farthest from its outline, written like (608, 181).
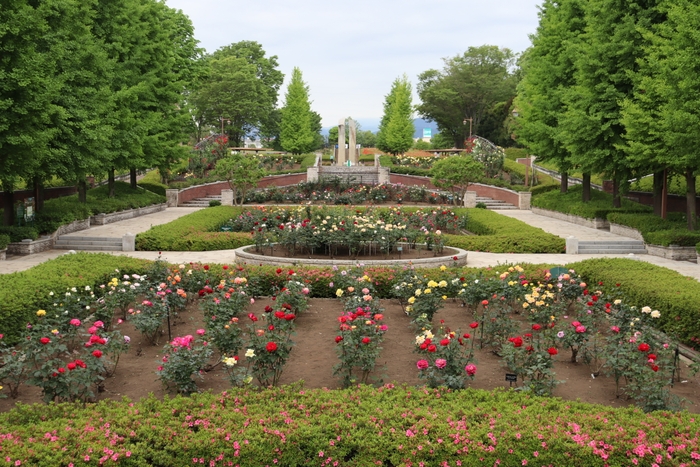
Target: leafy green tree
(455, 173)
(469, 87)
(592, 128)
(396, 128)
(240, 85)
(242, 172)
(548, 72)
(366, 139)
(673, 86)
(296, 135)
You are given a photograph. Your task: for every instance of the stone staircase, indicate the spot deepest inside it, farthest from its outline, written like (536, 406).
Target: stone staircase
(617, 247)
(71, 242)
(200, 202)
(495, 204)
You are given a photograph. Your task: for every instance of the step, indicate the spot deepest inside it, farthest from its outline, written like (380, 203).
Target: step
(622, 251)
(88, 243)
(612, 247)
(89, 247)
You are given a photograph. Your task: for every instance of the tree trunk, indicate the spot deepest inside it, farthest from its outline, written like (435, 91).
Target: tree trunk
(658, 191)
(617, 200)
(564, 185)
(690, 197)
(132, 178)
(8, 206)
(38, 194)
(110, 182)
(82, 191)
(586, 187)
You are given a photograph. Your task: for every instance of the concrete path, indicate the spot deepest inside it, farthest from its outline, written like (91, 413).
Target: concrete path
(475, 259)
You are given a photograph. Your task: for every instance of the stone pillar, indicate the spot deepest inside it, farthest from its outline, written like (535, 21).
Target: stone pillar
(342, 153)
(129, 242)
(572, 246)
(312, 174)
(470, 199)
(383, 175)
(524, 198)
(227, 197)
(172, 197)
(352, 150)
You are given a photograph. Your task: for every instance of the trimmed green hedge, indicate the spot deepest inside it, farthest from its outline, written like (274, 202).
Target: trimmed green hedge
(599, 206)
(195, 232)
(157, 188)
(4, 240)
(23, 293)
(17, 234)
(658, 231)
(362, 426)
(645, 284)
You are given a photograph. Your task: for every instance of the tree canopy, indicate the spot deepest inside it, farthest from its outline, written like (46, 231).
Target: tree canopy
(396, 128)
(296, 134)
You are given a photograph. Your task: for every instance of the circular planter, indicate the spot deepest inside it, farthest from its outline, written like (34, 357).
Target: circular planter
(244, 256)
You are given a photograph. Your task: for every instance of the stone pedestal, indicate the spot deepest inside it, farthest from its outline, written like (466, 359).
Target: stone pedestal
(572, 246)
(524, 198)
(172, 198)
(312, 174)
(470, 199)
(384, 175)
(129, 242)
(227, 197)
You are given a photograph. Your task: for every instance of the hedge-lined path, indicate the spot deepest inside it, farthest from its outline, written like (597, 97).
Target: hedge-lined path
(475, 259)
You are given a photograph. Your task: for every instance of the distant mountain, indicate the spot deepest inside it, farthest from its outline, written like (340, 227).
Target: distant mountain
(372, 124)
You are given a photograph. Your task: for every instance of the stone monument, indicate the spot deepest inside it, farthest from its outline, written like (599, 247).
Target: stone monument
(342, 157)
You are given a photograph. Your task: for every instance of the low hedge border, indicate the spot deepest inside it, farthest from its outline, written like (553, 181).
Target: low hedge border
(658, 231)
(675, 295)
(4, 241)
(495, 233)
(361, 426)
(570, 203)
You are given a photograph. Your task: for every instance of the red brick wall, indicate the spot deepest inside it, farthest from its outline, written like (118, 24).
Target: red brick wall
(282, 180)
(201, 191)
(481, 190)
(411, 180)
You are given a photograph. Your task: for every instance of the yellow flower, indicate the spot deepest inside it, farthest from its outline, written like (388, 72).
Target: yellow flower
(656, 314)
(409, 308)
(412, 300)
(427, 291)
(339, 293)
(444, 297)
(230, 361)
(418, 292)
(442, 284)
(54, 331)
(443, 267)
(250, 353)
(41, 313)
(432, 284)
(525, 305)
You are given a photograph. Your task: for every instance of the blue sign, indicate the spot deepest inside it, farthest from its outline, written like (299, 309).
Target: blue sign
(427, 132)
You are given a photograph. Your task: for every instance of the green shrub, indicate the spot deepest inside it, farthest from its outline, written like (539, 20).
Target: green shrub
(679, 237)
(361, 426)
(17, 234)
(598, 207)
(645, 284)
(23, 293)
(4, 240)
(658, 231)
(214, 202)
(539, 189)
(516, 153)
(157, 188)
(308, 161)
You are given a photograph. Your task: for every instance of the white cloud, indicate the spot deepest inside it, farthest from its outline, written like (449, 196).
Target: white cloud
(350, 52)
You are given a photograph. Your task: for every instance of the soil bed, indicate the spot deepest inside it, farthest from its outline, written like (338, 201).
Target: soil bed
(342, 252)
(313, 358)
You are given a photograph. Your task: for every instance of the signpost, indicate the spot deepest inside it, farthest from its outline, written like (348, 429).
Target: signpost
(511, 378)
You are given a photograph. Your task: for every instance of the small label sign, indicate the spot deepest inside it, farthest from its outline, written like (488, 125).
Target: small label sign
(511, 377)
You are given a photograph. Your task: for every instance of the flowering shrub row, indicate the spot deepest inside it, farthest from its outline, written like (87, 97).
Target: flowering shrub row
(399, 426)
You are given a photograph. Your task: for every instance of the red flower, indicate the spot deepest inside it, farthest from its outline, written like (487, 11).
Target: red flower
(225, 267)
(517, 341)
(61, 370)
(643, 347)
(206, 267)
(552, 351)
(466, 335)
(290, 272)
(71, 366)
(655, 368)
(365, 340)
(44, 340)
(279, 271)
(536, 327)
(445, 342)
(268, 308)
(432, 348)
(454, 258)
(474, 325)
(271, 347)
(651, 356)
(271, 328)
(338, 339)
(252, 317)
(279, 314)
(484, 302)
(97, 353)
(289, 317)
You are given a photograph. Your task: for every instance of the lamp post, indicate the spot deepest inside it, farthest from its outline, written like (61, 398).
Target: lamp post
(222, 119)
(470, 120)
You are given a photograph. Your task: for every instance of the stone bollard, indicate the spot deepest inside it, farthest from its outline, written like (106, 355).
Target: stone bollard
(172, 197)
(572, 246)
(227, 197)
(129, 242)
(470, 199)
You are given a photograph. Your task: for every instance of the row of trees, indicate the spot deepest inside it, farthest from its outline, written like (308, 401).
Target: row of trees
(611, 87)
(89, 86)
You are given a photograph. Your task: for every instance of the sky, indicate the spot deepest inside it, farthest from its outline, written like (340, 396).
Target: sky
(350, 52)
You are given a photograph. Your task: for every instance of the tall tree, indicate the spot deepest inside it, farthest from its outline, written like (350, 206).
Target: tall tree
(396, 126)
(592, 129)
(241, 86)
(296, 135)
(548, 71)
(467, 90)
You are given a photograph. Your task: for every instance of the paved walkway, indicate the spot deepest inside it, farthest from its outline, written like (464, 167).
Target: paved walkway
(476, 259)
